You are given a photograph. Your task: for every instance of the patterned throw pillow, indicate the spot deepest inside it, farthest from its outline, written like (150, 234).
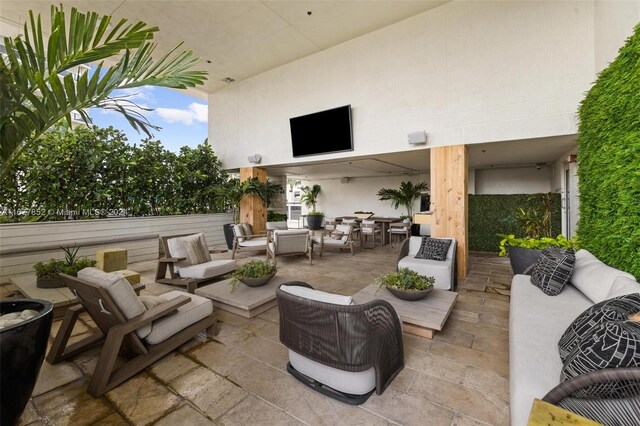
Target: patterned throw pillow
(433, 249)
(615, 344)
(616, 309)
(553, 270)
(197, 252)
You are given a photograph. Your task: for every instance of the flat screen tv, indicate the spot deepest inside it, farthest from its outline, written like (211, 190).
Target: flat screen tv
(322, 132)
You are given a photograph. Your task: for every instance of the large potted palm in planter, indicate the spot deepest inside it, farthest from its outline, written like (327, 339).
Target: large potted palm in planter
(24, 329)
(310, 198)
(404, 196)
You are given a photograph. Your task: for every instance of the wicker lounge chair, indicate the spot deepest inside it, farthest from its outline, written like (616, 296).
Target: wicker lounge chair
(189, 272)
(344, 242)
(290, 242)
(127, 326)
(341, 350)
(609, 411)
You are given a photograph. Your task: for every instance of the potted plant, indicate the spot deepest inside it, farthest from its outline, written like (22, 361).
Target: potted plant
(363, 215)
(403, 196)
(524, 252)
(310, 198)
(254, 273)
(232, 192)
(406, 284)
(405, 218)
(48, 273)
(22, 348)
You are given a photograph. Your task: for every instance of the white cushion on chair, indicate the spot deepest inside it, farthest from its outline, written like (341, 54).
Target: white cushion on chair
(254, 242)
(213, 268)
(317, 295)
(120, 291)
(356, 383)
(238, 231)
(195, 310)
(333, 242)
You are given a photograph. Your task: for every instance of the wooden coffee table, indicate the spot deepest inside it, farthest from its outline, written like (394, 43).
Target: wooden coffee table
(420, 317)
(244, 300)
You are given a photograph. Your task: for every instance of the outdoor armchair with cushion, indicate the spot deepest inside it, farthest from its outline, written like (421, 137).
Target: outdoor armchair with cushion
(369, 228)
(245, 240)
(399, 229)
(342, 350)
(443, 271)
(290, 242)
(189, 262)
(341, 238)
(145, 328)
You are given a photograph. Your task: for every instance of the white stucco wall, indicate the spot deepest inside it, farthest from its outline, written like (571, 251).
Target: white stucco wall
(614, 22)
(343, 199)
(465, 72)
(521, 180)
(569, 198)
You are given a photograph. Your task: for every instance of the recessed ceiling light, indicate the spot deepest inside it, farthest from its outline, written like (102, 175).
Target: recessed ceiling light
(309, 12)
(208, 61)
(228, 80)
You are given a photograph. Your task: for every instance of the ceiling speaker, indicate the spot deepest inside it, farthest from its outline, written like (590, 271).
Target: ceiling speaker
(416, 138)
(344, 180)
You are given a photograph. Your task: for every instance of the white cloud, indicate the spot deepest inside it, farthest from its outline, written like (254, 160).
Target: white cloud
(135, 94)
(195, 112)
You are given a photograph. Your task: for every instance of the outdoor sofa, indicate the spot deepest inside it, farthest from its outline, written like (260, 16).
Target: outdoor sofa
(537, 323)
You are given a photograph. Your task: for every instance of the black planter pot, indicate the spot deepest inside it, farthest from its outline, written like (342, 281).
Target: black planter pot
(22, 350)
(314, 222)
(228, 234)
(521, 258)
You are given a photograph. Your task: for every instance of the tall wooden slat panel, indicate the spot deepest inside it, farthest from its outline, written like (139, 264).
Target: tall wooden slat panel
(252, 210)
(449, 199)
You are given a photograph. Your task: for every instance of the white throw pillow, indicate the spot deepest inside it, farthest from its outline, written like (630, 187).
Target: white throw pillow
(317, 295)
(176, 248)
(623, 285)
(197, 250)
(594, 278)
(238, 232)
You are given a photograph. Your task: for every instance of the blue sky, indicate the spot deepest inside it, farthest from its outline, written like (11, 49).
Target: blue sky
(183, 118)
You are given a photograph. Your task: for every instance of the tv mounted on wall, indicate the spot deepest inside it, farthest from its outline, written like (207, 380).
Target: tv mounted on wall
(322, 132)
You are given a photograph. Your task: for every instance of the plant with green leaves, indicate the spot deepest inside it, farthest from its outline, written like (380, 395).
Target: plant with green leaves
(252, 269)
(403, 196)
(198, 174)
(535, 243)
(405, 279)
(310, 197)
(49, 270)
(37, 88)
(536, 218)
(233, 191)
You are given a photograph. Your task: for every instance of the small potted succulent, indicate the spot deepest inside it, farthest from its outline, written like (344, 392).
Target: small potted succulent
(363, 215)
(406, 284)
(48, 273)
(254, 273)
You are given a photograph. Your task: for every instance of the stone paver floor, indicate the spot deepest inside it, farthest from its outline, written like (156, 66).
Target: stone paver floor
(239, 377)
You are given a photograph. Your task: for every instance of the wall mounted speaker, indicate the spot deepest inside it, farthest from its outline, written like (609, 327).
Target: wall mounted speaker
(344, 180)
(255, 158)
(416, 138)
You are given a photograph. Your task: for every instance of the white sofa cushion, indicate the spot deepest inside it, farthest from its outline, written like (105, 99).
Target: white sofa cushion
(623, 285)
(594, 278)
(178, 248)
(120, 291)
(254, 242)
(238, 231)
(536, 323)
(317, 295)
(212, 268)
(195, 310)
(355, 383)
(196, 248)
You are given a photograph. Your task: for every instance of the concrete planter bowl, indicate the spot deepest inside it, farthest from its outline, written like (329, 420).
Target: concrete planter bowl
(257, 282)
(409, 295)
(22, 351)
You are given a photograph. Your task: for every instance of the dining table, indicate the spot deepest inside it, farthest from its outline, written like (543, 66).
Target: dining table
(383, 221)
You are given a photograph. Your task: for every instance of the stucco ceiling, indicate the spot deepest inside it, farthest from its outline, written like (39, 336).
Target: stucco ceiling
(239, 39)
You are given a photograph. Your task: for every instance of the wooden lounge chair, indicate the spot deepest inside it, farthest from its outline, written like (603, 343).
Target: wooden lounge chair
(290, 242)
(245, 240)
(182, 270)
(127, 327)
(344, 242)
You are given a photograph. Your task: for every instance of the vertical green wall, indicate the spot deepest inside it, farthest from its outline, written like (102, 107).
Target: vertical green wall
(609, 162)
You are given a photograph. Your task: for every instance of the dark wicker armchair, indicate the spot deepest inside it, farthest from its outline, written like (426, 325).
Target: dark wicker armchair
(608, 411)
(340, 340)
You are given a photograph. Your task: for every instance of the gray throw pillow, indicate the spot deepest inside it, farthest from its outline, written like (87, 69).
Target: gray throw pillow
(616, 309)
(553, 270)
(433, 249)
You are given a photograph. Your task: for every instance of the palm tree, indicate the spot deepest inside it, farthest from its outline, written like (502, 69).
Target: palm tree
(233, 191)
(310, 196)
(404, 196)
(34, 95)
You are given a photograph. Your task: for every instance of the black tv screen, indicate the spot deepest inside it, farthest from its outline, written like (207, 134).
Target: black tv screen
(322, 132)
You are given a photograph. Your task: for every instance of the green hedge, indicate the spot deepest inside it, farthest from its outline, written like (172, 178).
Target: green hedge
(609, 162)
(496, 214)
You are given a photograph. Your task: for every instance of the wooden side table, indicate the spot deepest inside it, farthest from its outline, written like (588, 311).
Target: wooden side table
(545, 414)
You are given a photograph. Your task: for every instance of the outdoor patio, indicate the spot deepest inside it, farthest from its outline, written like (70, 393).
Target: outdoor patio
(239, 377)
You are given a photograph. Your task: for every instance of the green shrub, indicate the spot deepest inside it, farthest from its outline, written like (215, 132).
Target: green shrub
(252, 269)
(490, 215)
(405, 279)
(609, 162)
